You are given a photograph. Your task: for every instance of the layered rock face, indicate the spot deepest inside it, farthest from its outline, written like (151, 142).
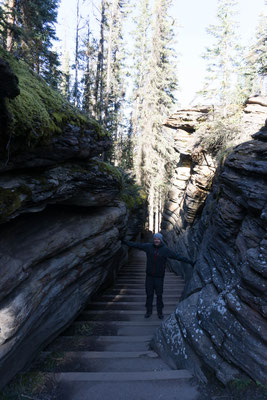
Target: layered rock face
(255, 112)
(191, 183)
(61, 220)
(194, 174)
(221, 325)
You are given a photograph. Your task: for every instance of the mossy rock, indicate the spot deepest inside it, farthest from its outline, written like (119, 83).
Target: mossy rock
(109, 169)
(11, 200)
(40, 112)
(25, 386)
(132, 194)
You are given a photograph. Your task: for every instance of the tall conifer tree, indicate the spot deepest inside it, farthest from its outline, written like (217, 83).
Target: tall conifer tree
(223, 59)
(30, 30)
(157, 94)
(256, 60)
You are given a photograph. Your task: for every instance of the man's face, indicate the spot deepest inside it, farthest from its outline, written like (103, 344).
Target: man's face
(156, 241)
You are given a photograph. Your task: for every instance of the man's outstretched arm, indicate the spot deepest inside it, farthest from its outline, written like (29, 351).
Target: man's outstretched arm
(140, 246)
(175, 256)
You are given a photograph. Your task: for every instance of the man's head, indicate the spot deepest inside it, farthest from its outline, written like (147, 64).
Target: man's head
(157, 239)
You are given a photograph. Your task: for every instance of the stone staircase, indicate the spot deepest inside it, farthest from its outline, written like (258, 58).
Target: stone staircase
(105, 353)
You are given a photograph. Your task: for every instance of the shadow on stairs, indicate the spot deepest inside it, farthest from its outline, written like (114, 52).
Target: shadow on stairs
(105, 353)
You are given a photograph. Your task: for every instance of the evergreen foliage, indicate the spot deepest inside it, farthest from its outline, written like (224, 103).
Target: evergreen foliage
(155, 85)
(28, 32)
(223, 60)
(256, 60)
(224, 83)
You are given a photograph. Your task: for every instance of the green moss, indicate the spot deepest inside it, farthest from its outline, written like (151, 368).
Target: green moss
(85, 329)
(24, 385)
(51, 362)
(246, 388)
(40, 112)
(110, 169)
(133, 195)
(11, 200)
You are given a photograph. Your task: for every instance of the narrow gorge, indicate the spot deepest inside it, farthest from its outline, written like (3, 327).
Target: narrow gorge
(64, 212)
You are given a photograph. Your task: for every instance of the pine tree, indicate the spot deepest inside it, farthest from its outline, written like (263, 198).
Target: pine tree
(223, 59)
(99, 80)
(10, 26)
(157, 89)
(256, 60)
(30, 30)
(224, 86)
(115, 77)
(65, 81)
(141, 78)
(89, 57)
(76, 94)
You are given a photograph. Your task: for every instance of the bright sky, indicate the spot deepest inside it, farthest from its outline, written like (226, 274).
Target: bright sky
(194, 16)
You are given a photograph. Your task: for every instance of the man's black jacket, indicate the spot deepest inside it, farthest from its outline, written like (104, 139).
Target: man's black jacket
(156, 257)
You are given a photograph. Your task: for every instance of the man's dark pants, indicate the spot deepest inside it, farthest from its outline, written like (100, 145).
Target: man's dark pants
(154, 284)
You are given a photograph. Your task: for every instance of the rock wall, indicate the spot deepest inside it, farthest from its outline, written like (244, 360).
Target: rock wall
(194, 174)
(61, 221)
(220, 325)
(191, 183)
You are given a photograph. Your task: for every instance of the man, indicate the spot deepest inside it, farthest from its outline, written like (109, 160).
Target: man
(157, 254)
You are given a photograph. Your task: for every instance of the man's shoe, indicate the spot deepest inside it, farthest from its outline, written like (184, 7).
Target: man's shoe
(160, 316)
(147, 315)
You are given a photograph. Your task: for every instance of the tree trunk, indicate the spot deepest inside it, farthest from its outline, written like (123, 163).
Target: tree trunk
(11, 7)
(160, 209)
(151, 209)
(109, 60)
(98, 95)
(87, 80)
(156, 212)
(75, 92)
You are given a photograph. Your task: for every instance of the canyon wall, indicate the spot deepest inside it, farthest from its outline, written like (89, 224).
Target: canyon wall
(62, 215)
(219, 220)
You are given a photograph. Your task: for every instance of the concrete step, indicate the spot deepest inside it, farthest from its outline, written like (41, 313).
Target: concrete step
(132, 272)
(168, 389)
(86, 328)
(141, 277)
(134, 298)
(85, 362)
(124, 302)
(136, 279)
(140, 285)
(100, 343)
(144, 322)
(138, 291)
(124, 376)
(125, 305)
(103, 354)
(120, 315)
(117, 312)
